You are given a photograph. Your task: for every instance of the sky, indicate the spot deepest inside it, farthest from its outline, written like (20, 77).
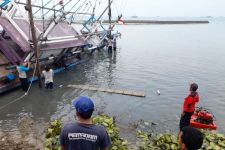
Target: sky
(170, 8)
(153, 8)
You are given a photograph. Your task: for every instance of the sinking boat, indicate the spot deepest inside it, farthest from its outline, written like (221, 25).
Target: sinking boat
(60, 42)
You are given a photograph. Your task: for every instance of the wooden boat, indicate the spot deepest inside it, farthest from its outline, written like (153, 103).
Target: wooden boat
(60, 42)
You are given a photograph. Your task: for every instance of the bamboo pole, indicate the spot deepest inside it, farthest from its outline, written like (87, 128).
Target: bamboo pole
(34, 40)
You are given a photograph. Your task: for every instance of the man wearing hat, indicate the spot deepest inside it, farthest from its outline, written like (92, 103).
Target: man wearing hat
(83, 135)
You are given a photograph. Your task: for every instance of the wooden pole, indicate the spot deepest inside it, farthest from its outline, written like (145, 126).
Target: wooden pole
(34, 41)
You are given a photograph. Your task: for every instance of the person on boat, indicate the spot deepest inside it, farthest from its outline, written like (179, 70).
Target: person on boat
(189, 105)
(83, 135)
(48, 75)
(190, 138)
(114, 44)
(22, 69)
(110, 45)
(63, 62)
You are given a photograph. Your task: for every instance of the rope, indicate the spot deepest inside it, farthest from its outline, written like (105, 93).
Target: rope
(84, 9)
(42, 7)
(25, 94)
(115, 5)
(122, 6)
(78, 9)
(74, 6)
(43, 17)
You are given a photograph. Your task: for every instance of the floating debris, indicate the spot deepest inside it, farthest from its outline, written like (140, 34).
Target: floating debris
(158, 92)
(116, 91)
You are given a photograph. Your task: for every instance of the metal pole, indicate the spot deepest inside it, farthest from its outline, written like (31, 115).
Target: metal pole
(34, 39)
(110, 19)
(52, 9)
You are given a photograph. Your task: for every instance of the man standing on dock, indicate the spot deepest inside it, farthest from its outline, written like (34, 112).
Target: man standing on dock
(22, 68)
(83, 135)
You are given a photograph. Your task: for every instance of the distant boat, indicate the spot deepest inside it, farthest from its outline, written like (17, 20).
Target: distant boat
(134, 16)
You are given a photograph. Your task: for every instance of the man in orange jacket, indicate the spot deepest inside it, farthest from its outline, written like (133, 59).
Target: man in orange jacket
(189, 106)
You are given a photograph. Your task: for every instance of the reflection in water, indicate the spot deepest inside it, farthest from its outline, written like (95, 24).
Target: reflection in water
(111, 68)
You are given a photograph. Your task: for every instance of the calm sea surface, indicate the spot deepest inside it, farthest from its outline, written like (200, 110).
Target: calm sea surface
(150, 58)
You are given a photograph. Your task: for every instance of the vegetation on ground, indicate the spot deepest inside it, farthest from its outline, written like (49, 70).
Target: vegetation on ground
(117, 143)
(167, 141)
(145, 141)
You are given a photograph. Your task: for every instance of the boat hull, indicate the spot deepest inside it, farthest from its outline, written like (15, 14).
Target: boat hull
(195, 123)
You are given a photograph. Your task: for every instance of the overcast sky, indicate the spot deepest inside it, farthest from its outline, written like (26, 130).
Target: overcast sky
(178, 8)
(154, 8)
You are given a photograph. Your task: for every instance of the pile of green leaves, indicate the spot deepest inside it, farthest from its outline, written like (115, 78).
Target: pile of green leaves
(145, 141)
(117, 143)
(168, 141)
(162, 141)
(52, 136)
(213, 141)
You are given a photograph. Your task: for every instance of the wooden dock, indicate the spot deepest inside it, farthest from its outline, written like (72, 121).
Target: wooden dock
(115, 91)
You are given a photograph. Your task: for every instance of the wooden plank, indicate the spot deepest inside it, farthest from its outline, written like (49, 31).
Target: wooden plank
(115, 91)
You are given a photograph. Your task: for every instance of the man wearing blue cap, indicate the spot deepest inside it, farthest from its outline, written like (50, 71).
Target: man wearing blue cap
(83, 135)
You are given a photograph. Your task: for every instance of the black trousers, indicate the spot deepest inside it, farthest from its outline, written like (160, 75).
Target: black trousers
(110, 49)
(185, 119)
(24, 83)
(49, 85)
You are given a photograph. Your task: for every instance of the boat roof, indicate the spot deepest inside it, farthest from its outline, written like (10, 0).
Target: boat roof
(62, 29)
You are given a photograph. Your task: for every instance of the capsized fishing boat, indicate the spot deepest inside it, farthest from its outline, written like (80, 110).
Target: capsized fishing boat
(98, 34)
(60, 43)
(203, 118)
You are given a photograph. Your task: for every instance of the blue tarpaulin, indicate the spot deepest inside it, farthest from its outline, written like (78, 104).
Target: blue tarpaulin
(4, 3)
(10, 76)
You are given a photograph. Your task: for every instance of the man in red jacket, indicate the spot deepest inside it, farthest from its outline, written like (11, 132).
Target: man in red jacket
(189, 106)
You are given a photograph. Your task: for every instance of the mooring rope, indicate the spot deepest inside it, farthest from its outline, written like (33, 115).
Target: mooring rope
(25, 94)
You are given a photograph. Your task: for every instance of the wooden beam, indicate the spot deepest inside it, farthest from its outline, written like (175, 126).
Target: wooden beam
(35, 42)
(115, 91)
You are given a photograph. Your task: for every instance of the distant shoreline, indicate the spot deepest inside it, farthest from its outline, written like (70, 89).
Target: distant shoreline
(162, 22)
